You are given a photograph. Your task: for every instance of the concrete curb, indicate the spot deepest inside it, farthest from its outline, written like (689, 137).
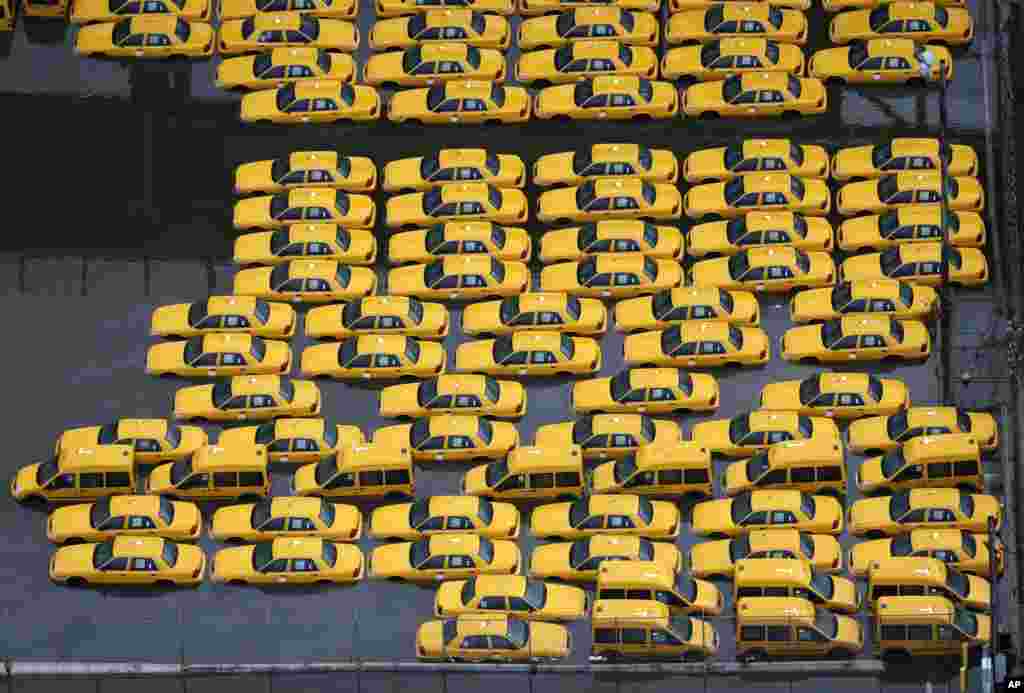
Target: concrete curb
(23, 669)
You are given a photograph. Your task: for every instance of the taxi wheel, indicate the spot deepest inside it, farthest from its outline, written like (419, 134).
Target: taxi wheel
(165, 375)
(562, 220)
(875, 534)
(872, 452)
(915, 82)
(717, 535)
(76, 582)
(561, 119)
(686, 81)
(250, 498)
(649, 364)
(324, 583)
(681, 410)
(34, 501)
(754, 656)
(234, 540)
(642, 118)
(345, 122)
(716, 576)
(835, 82)
(541, 84)
(389, 85)
(237, 583)
(709, 115)
(72, 541)
(396, 579)
(790, 115)
(492, 121)
(840, 653)
(165, 584)
(809, 361)
(408, 379)
(197, 420)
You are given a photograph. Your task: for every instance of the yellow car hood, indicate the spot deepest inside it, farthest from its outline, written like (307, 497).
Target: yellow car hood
(160, 479)
(392, 559)
(713, 434)
(603, 478)
(409, 102)
(560, 163)
(256, 210)
(848, 25)
(784, 396)
(392, 520)
(645, 346)
(429, 637)
(69, 521)
(232, 518)
(165, 356)
(397, 436)
(713, 516)
(79, 437)
(592, 393)
(475, 355)
(304, 481)
(561, 201)
(320, 358)
(559, 277)
(169, 320)
(713, 272)
(864, 552)
(233, 562)
(704, 163)
(72, 560)
(193, 401)
(551, 559)
(384, 66)
(232, 71)
(253, 282)
(705, 198)
(396, 399)
(95, 37)
(548, 640)
(404, 173)
(710, 558)
(474, 482)
(866, 266)
(736, 477)
(243, 435)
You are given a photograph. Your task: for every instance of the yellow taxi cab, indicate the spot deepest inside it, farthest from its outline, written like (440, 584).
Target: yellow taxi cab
(511, 595)
(454, 394)
(612, 236)
(891, 297)
(461, 102)
(957, 548)
(646, 390)
(729, 517)
(678, 592)
(698, 344)
(612, 276)
(766, 577)
(882, 60)
(112, 516)
(915, 223)
(219, 354)
(755, 94)
(605, 436)
(475, 638)
(923, 508)
(529, 8)
(282, 66)
(229, 314)
(535, 311)
(240, 9)
(305, 204)
(451, 438)
(839, 5)
(923, 21)
(445, 514)
(374, 356)
(929, 263)
(903, 154)
(378, 314)
(480, 29)
(358, 470)
(152, 440)
(294, 440)
(580, 560)
(86, 11)
(737, 19)
(602, 160)
(294, 560)
(857, 338)
(306, 281)
(306, 169)
(458, 277)
(457, 201)
(730, 56)
(397, 8)
(588, 23)
(421, 173)
(682, 5)
(717, 559)
(445, 556)
(674, 306)
(839, 395)
(317, 241)
(312, 101)
(432, 63)
(932, 461)
(608, 98)
(584, 59)
(610, 198)
(880, 434)
(644, 629)
(792, 626)
(756, 229)
(909, 188)
(753, 156)
(248, 397)
(286, 29)
(146, 36)
(286, 516)
(530, 353)
(214, 472)
(459, 238)
(766, 269)
(760, 192)
(129, 561)
(750, 432)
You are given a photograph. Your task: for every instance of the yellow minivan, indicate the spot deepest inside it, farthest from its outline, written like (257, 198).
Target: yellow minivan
(530, 472)
(676, 470)
(358, 470)
(793, 627)
(920, 576)
(77, 474)
(951, 460)
(654, 581)
(907, 626)
(793, 577)
(214, 471)
(815, 465)
(634, 628)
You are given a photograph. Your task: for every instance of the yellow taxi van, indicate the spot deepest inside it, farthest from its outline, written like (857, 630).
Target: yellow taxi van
(793, 627)
(815, 465)
(655, 581)
(908, 626)
(793, 577)
(679, 469)
(634, 628)
(531, 471)
(373, 469)
(215, 471)
(922, 576)
(949, 460)
(77, 474)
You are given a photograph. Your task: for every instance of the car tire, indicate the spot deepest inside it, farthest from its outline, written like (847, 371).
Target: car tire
(875, 534)
(790, 115)
(840, 653)
(395, 495)
(835, 82)
(323, 583)
(73, 541)
(237, 583)
(165, 584)
(752, 656)
(394, 578)
(197, 420)
(491, 122)
(561, 118)
(642, 118)
(165, 376)
(809, 361)
(234, 540)
(389, 85)
(915, 82)
(541, 83)
(414, 121)
(717, 535)
(686, 81)
(717, 576)
(648, 365)
(76, 582)
(709, 115)
(566, 497)
(681, 410)
(34, 501)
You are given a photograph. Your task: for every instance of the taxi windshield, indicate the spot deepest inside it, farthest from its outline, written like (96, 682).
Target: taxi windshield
(419, 552)
(329, 553)
(966, 621)
(731, 88)
(620, 386)
(411, 59)
(739, 427)
(686, 586)
(495, 472)
(899, 504)
(325, 470)
(99, 512)
(739, 548)
(583, 430)
(901, 545)
(878, 17)
(221, 394)
(579, 511)
(486, 551)
(260, 513)
(880, 153)
(536, 594)
(969, 543)
(326, 513)
(102, 553)
(757, 466)
(739, 265)
(579, 552)
(181, 470)
(285, 96)
(419, 512)
(740, 508)
(709, 53)
(734, 189)
(169, 552)
(468, 590)
(823, 585)
(420, 432)
(842, 295)
(957, 582)
(624, 468)
(810, 388)
(485, 510)
(46, 471)
(892, 462)
(518, 632)
(262, 556)
(826, 622)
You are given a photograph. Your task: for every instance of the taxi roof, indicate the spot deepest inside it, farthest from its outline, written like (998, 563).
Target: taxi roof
(466, 230)
(454, 543)
(379, 343)
(275, 20)
(440, 51)
(134, 505)
(255, 384)
(547, 455)
(297, 547)
(865, 324)
(158, 23)
(542, 300)
(615, 571)
(616, 423)
(921, 567)
(96, 456)
(926, 416)
(307, 196)
(312, 232)
(654, 377)
(453, 156)
(355, 457)
(784, 255)
(773, 570)
(503, 585)
(744, 10)
(843, 382)
(614, 545)
(453, 192)
(312, 89)
(631, 229)
(222, 305)
(462, 382)
(596, 14)
(138, 547)
(918, 252)
(312, 268)
(602, 504)
(936, 538)
(467, 264)
(919, 214)
(932, 606)
(219, 341)
(954, 443)
(774, 607)
(914, 179)
(138, 428)
(594, 49)
(769, 220)
(767, 420)
(764, 539)
(454, 424)
(615, 84)
(775, 500)
(295, 428)
(537, 340)
(606, 187)
(602, 151)
(478, 624)
(758, 182)
(218, 457)
(762, 147)
(630, 609)
(766, 80)
(620, 262)
(289, 55)
(312, 159)
(875, 288)
(912, 10)
(896, 46)
(287, 506)
(469, 89)
(448, 16)
(934, 497)
(696, 295)
(454, 505)
(384, 305)
(696, 330)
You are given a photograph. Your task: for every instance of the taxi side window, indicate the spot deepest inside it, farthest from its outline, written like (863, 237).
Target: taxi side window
(966, 468)
(690, 476)
(342, 480)
(567, 479)
(778, 633)
(496, 603)
(475, 642)
(432, 524)
(755, 633)
(516, 481)
(938, 470)
(460, 562)
(434, 443)
(888, 632)
(634, 636)
(196, 481)
(90, 480)
(371, 478)
(221, 479)
(303, 565)
(279, 445)
(809, 635)
(544, 480)
(458, 523)
(250, 479)
(143, 565)
(140, 522)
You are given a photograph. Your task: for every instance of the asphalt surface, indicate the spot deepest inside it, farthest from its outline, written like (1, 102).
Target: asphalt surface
(154, 147)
